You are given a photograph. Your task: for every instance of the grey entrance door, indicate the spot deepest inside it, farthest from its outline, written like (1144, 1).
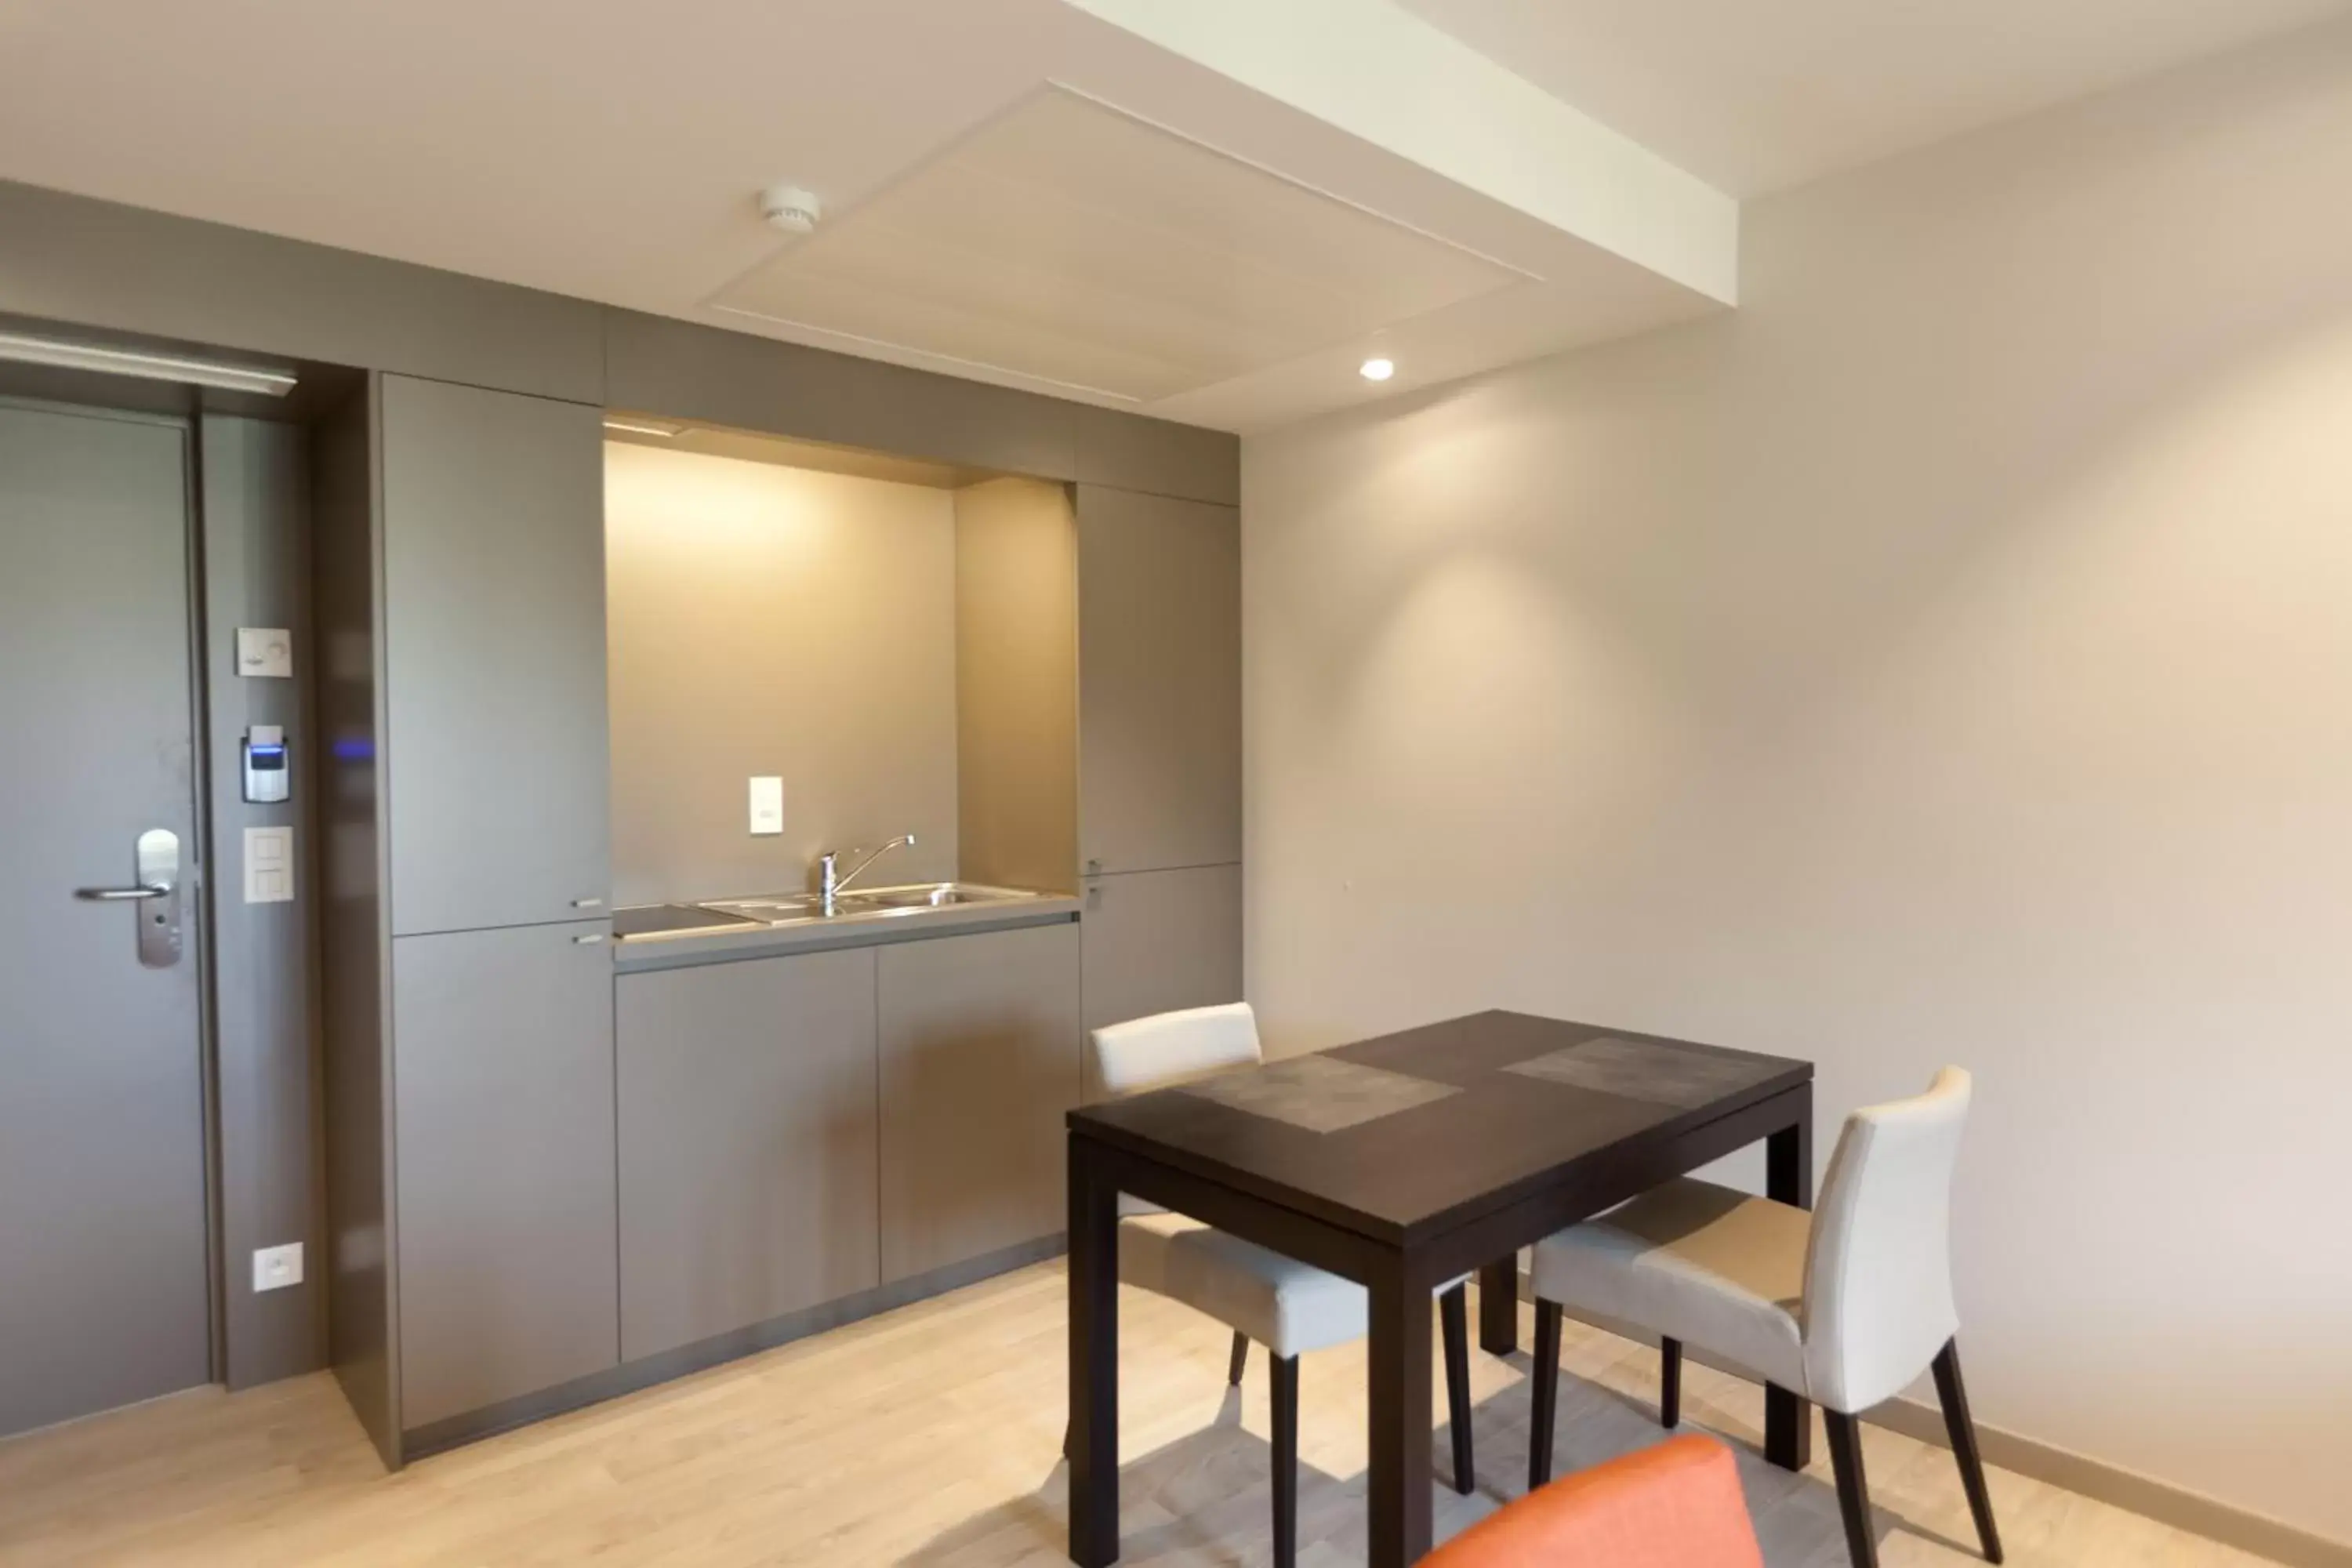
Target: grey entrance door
(103, 1297)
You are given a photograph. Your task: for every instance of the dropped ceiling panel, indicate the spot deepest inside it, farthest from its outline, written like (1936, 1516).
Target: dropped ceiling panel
(1067, 241)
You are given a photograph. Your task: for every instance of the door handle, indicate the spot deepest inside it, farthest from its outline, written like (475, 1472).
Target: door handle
(157, 853)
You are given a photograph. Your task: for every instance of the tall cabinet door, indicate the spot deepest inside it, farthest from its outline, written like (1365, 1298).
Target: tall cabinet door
(1159, 686)
(509, 1261)
(1158, 941)
(494, 648)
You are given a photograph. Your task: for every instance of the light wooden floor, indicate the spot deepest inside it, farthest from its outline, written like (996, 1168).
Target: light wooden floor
(928, 1436)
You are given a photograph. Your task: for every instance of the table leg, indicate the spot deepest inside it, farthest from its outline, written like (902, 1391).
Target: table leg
(1789, 1179)
(1398, 1484)
(1093, 1442)
(1498, 1306)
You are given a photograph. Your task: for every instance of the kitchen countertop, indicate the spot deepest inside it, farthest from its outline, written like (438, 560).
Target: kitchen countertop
(863, 925)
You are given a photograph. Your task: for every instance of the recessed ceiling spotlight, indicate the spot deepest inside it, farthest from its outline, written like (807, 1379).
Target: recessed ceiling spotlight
(643, 428)
(1376, 369)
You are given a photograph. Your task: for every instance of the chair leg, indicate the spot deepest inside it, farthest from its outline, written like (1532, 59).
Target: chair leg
(1547, 1392)
(1284, 1371)
(1852, 1487)
(1241, 1358)
(1953, 1394)
(1454, 1313)
(1670, 1383)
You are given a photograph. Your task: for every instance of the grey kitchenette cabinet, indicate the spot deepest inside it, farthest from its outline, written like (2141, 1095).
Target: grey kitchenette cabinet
(464, 865)
(494, 651)
(980, 1061)
(1160, 682)
(1160, 752)
(548, 1182)
(504, 1167)
(749, 1183)
(1158, 941)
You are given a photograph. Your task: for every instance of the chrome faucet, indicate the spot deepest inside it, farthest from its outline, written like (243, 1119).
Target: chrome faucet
(832, 880)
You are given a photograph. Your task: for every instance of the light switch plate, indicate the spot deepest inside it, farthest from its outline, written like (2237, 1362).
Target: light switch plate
(268, 865)
(767, 806)
(276, 1268)
(265, 650)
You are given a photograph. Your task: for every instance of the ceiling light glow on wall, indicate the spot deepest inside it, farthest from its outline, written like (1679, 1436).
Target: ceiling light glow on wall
(67, 354)
(643, 428)
(1376, 369)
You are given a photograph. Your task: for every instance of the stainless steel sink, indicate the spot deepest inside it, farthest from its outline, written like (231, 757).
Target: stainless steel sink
(867, 903)
(934, 896)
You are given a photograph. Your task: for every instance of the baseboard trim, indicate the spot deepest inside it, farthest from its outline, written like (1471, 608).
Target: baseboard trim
(473, 1425)
(2164, 1501)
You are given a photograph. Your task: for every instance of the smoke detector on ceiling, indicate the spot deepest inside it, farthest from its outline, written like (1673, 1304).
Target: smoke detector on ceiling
(791, 209)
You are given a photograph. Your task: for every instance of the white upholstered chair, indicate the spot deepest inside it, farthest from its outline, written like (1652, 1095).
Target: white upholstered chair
(1846, 1305)
(1287, 1306)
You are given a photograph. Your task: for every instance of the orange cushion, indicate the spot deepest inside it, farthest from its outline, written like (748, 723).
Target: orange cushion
(1677, 1505)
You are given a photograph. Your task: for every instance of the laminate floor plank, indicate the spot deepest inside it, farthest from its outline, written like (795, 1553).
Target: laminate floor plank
(930, 1436)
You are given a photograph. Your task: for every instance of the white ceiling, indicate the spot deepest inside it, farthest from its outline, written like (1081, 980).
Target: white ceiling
(1070, 243)
(1759, 95)
(613, 152)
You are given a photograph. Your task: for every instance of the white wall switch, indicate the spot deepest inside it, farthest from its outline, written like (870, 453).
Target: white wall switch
(265, 650)
(275, 1267)
(767, 806)
(268, 865)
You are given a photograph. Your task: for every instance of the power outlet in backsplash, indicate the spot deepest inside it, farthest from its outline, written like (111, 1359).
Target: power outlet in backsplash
(767, 806)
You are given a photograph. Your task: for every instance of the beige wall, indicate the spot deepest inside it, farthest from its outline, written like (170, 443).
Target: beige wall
(775, 620)
(1948, 656)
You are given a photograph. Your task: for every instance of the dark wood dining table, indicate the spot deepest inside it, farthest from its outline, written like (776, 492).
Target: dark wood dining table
(1401, 1163)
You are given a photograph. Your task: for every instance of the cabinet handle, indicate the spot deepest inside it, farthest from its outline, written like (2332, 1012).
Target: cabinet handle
(1094, 868)
(587, 903)
(591, 940)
